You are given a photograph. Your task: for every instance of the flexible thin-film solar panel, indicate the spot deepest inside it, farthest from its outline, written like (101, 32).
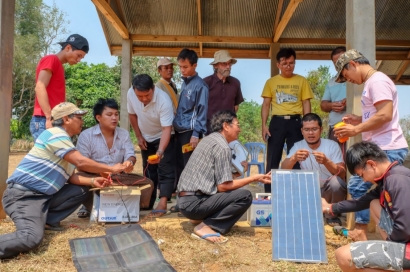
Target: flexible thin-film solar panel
(297, 220)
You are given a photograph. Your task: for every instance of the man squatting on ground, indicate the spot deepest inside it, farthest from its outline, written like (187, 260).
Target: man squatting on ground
(50, 81)
(207, 194)
(37, 197)
(379, 122)
(105, 143)
(323, 155)
(389, 207)
(288, 96)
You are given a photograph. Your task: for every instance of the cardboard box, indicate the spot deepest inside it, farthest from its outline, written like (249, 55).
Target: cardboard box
(112, 204)
(260, 212)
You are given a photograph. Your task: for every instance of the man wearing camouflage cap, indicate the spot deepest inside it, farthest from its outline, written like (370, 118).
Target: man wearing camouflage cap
(224, 90)
(37, 196)
(379, 122)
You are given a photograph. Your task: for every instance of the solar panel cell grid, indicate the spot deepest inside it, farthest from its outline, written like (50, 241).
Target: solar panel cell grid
(297, 221)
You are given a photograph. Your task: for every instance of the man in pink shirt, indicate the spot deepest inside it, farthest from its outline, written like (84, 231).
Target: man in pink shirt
(50, 81)
(379, 122)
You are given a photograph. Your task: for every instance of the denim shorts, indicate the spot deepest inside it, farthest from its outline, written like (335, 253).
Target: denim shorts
(37, 126)
(385, 223)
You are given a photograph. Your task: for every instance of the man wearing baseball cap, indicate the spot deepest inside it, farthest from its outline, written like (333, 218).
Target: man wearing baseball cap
(50, 81)
(379, 122)
(224, 90)
(166, 71)
(37, 196)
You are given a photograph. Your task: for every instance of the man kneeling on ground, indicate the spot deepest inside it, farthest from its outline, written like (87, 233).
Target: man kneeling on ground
(207, 194)
(389, 207)
(37, 197)
(324, 155)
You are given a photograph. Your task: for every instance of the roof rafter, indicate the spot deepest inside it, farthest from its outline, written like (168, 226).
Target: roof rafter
(293, 4)
(378, 64)
(250, 53)
(198, 4)
(256, 40)
(277, 17)
(110, 15)
(403, 68)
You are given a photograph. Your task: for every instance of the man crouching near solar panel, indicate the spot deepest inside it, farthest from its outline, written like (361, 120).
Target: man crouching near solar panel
(323, 155)
(389, 207)
(37, 196)
(207, 194)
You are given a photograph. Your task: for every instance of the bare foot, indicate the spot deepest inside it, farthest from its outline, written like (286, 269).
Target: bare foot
(357, 235)
(195, 222)
(202, 229)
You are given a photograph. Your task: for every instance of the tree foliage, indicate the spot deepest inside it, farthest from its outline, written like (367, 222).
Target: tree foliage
(249, 117)
(318, 79)
(405, 126)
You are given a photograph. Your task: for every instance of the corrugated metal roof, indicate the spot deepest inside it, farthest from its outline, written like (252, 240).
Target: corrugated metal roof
(314, 19)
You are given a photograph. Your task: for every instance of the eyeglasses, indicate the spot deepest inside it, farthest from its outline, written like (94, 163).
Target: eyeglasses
(78, 117)
(287, 64)
(237, 124)
(310, 129)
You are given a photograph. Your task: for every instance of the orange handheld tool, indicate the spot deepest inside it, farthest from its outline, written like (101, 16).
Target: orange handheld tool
(153, 158)
(342, 139)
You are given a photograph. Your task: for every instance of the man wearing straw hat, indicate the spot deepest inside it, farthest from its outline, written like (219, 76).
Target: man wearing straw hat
(224, 90)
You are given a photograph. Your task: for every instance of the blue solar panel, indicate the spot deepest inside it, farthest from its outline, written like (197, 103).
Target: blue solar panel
(297, 220)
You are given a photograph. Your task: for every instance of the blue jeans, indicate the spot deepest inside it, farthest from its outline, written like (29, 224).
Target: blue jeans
(357, 187)
(37, 126)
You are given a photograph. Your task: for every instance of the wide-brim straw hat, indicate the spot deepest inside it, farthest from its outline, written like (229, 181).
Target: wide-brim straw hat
(222, 56)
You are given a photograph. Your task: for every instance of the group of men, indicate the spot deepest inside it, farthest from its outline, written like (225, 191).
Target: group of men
(37, 197)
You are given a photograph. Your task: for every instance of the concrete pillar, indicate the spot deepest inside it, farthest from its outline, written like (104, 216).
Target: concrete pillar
(274, 49)
(6, 68)
(360, 35)
(126, 79)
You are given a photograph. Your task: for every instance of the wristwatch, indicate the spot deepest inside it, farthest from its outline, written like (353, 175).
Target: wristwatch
(132, 163)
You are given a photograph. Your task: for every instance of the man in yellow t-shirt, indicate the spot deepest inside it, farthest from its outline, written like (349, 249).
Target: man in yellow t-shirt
(289, 96)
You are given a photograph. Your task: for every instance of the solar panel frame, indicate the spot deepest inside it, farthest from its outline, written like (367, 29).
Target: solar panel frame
(297, 235)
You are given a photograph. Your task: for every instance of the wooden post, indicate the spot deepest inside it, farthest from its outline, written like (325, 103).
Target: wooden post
(6, 68)
(360, 35)
(126, 79)
(274, 49)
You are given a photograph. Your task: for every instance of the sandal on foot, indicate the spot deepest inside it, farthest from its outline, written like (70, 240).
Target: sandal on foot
(51, 228)
(339, 230)
(83, 213)
(333, 222)
(158, 213)
(174, 209)
(203, 237)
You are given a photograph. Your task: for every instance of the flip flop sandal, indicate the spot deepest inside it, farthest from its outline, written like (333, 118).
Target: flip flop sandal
(203, 237)
(83, 213)
(333, 222)
(158, 213)
(338, 230)
(174, 209)
(51, 228)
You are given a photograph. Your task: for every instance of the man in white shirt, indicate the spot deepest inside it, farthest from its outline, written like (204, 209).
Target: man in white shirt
(323, 155)
(151, 115)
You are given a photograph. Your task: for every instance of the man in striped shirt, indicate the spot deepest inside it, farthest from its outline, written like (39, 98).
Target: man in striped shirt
(37, 197)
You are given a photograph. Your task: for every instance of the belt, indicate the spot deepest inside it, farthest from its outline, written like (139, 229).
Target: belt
(19, 187)
(190, 193)
(293, 116)
(39, 116)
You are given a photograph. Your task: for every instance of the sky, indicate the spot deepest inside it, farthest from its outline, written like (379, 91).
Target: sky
(252, 74)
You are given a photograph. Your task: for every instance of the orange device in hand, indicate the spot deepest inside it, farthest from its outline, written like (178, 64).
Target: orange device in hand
(153, 158)
(343, 139)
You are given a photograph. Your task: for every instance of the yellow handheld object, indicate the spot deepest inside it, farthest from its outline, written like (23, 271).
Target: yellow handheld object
(343, 139)
(153, 157)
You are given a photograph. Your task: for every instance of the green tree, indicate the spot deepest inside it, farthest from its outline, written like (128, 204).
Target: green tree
(318, 79)
(85, 84)
(405, 126)
(250, 120)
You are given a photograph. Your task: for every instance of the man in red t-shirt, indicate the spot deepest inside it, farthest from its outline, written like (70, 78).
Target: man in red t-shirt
(50, 81)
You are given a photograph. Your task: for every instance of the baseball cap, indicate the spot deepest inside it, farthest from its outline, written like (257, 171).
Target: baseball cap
(65, 109)
(164, 61)
(222, 56)
(344, 59)
(77, 41)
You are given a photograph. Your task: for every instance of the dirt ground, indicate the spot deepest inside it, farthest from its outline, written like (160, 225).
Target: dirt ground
(248, 249)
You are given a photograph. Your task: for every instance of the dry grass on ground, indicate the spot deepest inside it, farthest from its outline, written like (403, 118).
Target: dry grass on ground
(248, 249)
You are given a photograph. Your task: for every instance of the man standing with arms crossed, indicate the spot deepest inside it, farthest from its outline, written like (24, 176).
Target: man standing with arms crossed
(50, 81)
(379, 122)
(224, 90)
(289, 94)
